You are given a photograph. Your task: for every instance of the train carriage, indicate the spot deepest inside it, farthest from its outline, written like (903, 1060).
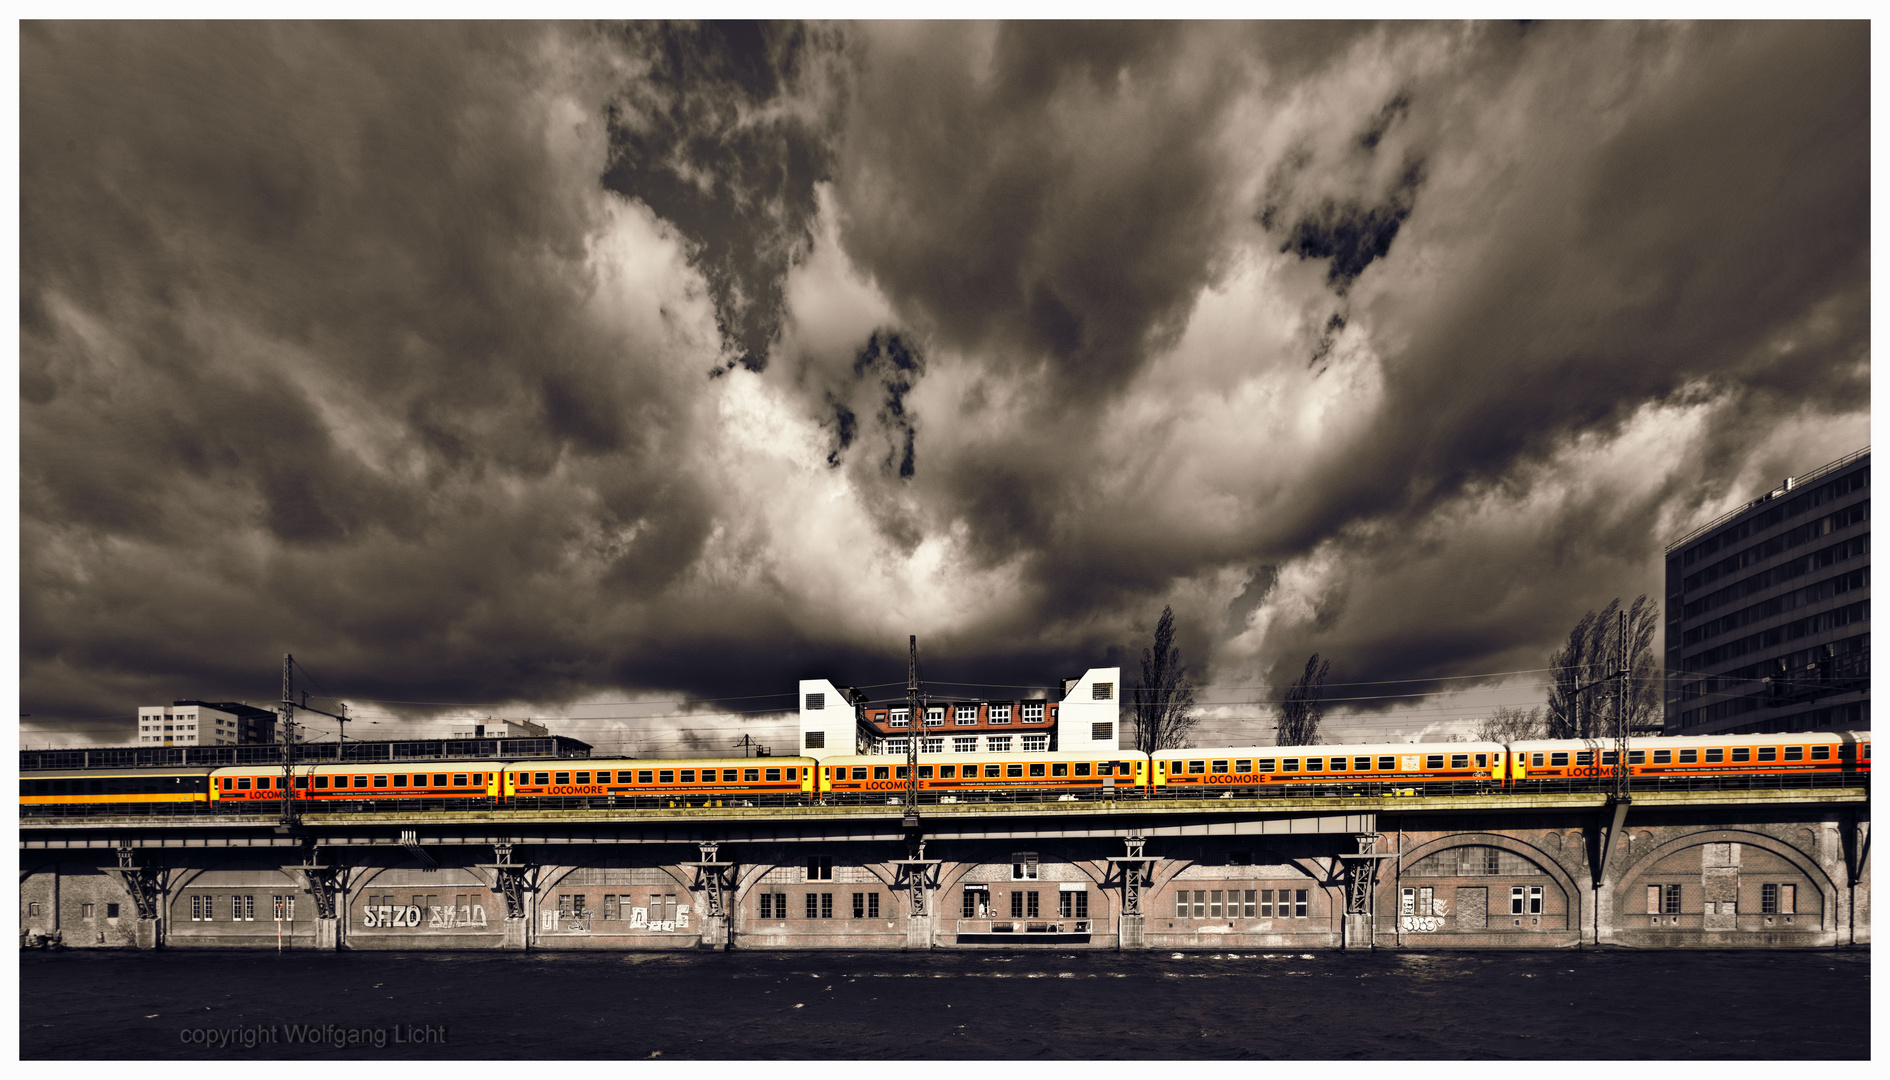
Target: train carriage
(106, 787)
(980, 775)
(1215, 771)
(328, 784)
(1687, 757)
(686, 781)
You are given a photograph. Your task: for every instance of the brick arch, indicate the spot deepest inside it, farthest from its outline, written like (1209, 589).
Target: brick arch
(559, 871)
(964, 867)
(1571, 888)
(1827, 889)
(181, 878)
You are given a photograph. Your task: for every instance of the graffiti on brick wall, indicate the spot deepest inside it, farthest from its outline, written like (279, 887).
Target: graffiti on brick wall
(1422, 924)
(635, 918)
(422, 916)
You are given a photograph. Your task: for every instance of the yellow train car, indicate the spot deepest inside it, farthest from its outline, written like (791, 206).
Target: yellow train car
(102, 787)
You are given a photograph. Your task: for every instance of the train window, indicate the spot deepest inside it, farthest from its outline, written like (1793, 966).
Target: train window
(1483, 761)
(1663, 757)
(728, 776)
(899, 773)
(459, 779)
(1820, 753)
(1558, 758)
(321, 781)
(1059, 768)
(1460, 761)
(1036, 768)
(1689, 757)
(1197, 766)
(1584, 757)
(644, 776)
(1387, 763)
(1768, 753)
(882, 772)
(1013, 770)
(540, 780)
(1289, 765)
(666, 776)
(242, 783)
(1716, 753)
(1637, 757)
(1082, 768)
(400, 780)
(1220, 766)
(792, 775)
(1266, 764)
(750, 776)
(1535, 760)
(439, 779)
(1866, 751)
(1794, 753)
(360, 781)
(925, 772)
(262, 783)
(562, 778)
(1433, 761)
(947, 772)
(1243, 765)
(380, 781)
(1361, 764)
(859, 774)
(300, 781)
(1742, 753)
(1608, 757)
(584, 778)
(419, 779)
(1314, 764)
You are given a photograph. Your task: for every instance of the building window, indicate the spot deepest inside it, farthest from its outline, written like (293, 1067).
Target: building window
(1036, 743)
(965, 745)
(111, 911)
(976, 903)
(1778, 899)
(1073, 905)
(1025, 870)
(1102, 732)
(1663, 899)
(1033, 712)
(816, 701)
(932, 745)
(1000, 744)
(196, 908)
(32, 907)
(1000, 714)
(285, 907)
(935, 716)
(899, 718)
(1535, 899)
(1102, 691)
(816, 740)
(897, 746)
(85, 911)
(774, 905)
(967, 715)
(820, 868)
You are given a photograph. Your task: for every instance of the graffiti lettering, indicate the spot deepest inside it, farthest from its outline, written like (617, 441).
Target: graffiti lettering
(438, 917)
(1422, 924)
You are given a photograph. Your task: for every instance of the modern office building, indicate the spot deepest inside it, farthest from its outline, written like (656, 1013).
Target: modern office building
(204, 723)
(1768, 611)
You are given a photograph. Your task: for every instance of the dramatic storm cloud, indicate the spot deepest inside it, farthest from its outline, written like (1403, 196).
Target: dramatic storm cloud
(586, 365)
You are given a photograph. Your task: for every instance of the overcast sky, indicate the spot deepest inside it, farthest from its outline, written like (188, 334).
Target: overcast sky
(520, 366)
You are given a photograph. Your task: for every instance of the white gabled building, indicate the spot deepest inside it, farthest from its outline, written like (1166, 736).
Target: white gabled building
(839, 720)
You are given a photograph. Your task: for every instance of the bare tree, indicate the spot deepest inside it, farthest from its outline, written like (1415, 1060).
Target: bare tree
(1591, 652)
(1508, 724)
(1301, 712)
(1164, 703)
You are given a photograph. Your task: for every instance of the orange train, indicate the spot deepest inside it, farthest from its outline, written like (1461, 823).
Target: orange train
(1209, 772)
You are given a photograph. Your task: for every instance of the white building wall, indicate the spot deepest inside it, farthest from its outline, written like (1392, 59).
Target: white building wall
(1090, 715)
(183, 725)
(828, 724)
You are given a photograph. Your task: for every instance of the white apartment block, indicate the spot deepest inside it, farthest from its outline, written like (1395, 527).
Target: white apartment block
(201, 723)
(839, 720)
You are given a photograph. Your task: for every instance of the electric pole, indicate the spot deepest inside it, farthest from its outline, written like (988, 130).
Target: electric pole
(287, 736)
(1622, 719)
(917, 720)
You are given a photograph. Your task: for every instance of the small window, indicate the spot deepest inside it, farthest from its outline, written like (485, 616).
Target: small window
(420, 780)
(1794, 753)
(1014, 770)
(816, 701)
(242, 783)
(1036, 768)
(1558, 758)
(1361, 764)
(1219, 766)
(300, 781)
(1768, 753)
(1637, 757)
(1197, 767)
(111, 911)
(899, 772)
(945, 772)
(1266, 764)
(646, 776)
(990, 771)
(543, 779)
(688, 776)
(1314, 764)
(1103, 691)
(1742, 753)
(1716, 754)
(1483, 761)
(561, 778)
(583, 778)
(1433, 761)
(666, 776)
(1059, 768)
(1082, 768)
(1663, 757)
(750, 776)
(1535, 761)
(1820, 753)
(1585, 757)
(360, 781)
(925, 772)
(1289, 765)
(401, 779)
(1460, 761)
(728, 776)
(816, 740)
(1387, 763)
(1243, 765)
(859, 772)
(1689, 757)
(380, 781)
(882, 772)
(321, 781)
(774, 774)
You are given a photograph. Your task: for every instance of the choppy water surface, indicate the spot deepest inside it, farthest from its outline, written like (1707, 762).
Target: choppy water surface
(950, 1005)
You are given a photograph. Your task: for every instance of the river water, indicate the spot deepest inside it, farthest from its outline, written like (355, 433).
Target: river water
(736, 1005)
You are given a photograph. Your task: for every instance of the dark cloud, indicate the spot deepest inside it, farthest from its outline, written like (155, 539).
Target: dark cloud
(386, 345)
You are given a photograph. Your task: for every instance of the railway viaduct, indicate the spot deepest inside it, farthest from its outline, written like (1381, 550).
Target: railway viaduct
(1749, 868)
